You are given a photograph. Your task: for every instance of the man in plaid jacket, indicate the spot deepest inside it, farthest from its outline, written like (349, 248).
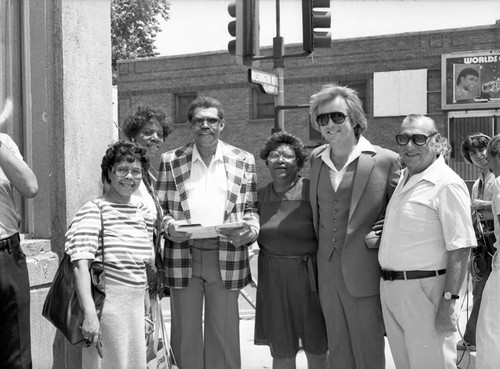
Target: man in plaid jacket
(207, 182)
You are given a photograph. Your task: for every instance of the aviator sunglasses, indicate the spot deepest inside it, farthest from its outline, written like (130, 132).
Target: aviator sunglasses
(417, 139)
(336, 116)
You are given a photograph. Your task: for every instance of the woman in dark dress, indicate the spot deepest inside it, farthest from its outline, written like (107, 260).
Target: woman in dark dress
(288, 316)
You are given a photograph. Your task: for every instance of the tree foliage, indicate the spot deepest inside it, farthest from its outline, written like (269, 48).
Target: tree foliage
(134, 26)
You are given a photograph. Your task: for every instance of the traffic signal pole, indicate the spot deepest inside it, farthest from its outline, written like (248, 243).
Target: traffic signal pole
(246, 47)
(279, 69)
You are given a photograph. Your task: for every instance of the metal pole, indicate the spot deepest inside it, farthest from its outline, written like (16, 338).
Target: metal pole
(279, 66)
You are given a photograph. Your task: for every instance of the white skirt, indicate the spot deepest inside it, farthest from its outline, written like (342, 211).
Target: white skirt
(122, 329)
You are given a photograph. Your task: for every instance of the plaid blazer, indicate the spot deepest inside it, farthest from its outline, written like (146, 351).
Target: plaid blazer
(175, 169)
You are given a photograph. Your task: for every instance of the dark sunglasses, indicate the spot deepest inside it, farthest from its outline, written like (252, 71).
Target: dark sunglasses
(336, 116)
(417, 139)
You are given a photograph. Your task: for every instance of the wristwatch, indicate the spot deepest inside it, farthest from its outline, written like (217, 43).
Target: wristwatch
(449, 296)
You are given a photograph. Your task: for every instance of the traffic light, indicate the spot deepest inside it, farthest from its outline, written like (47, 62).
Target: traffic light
(312, 18)
(245, 29)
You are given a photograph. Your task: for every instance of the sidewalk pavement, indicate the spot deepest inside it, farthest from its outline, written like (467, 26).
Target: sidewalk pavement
(259, 357)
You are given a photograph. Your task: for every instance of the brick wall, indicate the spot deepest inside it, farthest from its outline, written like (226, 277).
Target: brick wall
(157, 80)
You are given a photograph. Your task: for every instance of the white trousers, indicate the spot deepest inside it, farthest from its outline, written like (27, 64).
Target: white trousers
(488, 322)
(409, 309)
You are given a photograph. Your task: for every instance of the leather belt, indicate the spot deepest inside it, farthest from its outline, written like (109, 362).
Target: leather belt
(391, 275)
(8, 242)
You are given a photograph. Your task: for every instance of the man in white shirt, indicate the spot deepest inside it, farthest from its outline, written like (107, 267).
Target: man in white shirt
(15, 340)
(207, 182)
(424, 251)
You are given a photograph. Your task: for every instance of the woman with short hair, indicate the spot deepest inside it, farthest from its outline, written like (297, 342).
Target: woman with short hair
(127, 234)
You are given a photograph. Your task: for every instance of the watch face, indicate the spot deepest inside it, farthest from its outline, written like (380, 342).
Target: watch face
(449, 296)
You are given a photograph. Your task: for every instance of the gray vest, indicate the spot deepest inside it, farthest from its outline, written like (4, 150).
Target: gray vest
(333, 208)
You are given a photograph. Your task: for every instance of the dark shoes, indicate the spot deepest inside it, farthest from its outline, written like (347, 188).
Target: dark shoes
(464, 346)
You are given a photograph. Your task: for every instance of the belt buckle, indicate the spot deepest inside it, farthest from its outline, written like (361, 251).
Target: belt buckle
(388, 275)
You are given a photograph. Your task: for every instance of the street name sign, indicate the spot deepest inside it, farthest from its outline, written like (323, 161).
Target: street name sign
(267, 81)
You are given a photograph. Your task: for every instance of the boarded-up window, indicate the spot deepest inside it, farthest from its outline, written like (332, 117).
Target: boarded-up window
(400, 93)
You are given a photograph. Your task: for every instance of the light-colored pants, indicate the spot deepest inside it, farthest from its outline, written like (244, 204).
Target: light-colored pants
(217, 346)
(488, 322)
(409, 308)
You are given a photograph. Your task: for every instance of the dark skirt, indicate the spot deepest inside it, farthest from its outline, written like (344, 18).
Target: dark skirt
(288, 316)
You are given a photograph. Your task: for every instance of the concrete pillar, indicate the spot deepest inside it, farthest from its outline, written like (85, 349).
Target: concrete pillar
(71, 88)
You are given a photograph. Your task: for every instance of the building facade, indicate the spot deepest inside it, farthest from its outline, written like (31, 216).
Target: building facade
(395, 75)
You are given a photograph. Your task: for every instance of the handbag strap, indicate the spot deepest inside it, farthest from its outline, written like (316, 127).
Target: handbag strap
(101, 234)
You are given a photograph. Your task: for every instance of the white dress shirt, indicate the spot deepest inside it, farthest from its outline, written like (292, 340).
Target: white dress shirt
(425, 218)
(336, 175)
(207, 189)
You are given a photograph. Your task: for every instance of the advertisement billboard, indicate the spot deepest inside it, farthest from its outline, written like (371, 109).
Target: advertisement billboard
(470, 80)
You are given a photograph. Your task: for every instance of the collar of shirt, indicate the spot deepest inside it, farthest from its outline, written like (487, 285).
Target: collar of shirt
(217, 156)
(363, 145)
(432, 174)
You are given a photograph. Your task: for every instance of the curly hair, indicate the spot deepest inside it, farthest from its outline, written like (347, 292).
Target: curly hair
(143, 115)
(474, 143)
(354, 105)
(123, 151)
(284, 138)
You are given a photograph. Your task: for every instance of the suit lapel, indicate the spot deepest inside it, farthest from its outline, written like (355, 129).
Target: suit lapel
(234, 167)
(365, 167)
(315, 169)
(181, 167)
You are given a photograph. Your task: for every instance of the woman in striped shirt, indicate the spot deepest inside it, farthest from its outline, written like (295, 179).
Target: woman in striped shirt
(127, 233)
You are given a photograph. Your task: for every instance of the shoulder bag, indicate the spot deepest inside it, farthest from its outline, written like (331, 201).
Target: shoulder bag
(61, 306)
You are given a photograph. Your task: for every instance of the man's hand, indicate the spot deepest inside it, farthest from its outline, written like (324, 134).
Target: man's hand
(378, 227)
(172, 234)
(239, 236)
(446, 318)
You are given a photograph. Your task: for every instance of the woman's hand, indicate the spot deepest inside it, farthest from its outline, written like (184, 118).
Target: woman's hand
(90, 325)
(91, 329)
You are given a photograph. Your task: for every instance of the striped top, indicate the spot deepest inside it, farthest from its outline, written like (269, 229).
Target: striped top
(128, 237)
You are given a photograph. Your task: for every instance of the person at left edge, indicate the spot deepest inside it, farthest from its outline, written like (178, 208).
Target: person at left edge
(15, 340)
(127, 237)
(209, 182)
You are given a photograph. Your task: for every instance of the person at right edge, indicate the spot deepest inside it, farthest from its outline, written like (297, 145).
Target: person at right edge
(473, 150)
(351, 183)
(424, 251)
